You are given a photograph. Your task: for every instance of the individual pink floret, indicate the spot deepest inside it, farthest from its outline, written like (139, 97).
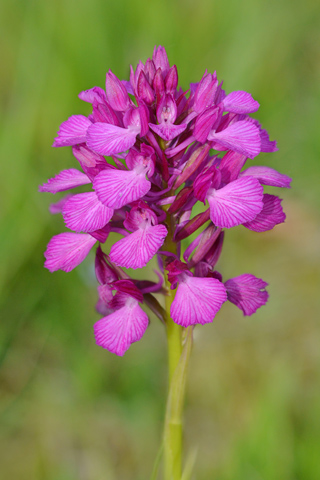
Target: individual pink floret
(166, 115)
(137, 249)
(127, 324)
(117, 331)
(116, 188)
(108, 139)
(197, 300)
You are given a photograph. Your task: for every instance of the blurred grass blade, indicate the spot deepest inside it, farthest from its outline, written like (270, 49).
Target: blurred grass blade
(188, 469)
(156, 465)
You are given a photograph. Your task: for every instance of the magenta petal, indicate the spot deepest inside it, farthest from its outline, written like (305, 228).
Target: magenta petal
(268, 176)
(160, 60)
(57, 207)
(230, 166)
(197, 300)
(95, 93)
(206, 122)
(85, 213)
(242, 137)
(137, 249)
(67, 250)
(117, 95)
(108, 139)
(240, 102)
(91, 163)
(238, 202)
(205, 92)
(128, 86)
(101, 234)
(168, 131)
(266, 144)
(247, 292)
(270, 215)
(144, 90)
(72, 131)
(64, 180)
(104, 272)
(116, 188)
(144, 120)
(117, 331)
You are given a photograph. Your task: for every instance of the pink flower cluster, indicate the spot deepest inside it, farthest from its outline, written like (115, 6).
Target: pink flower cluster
(169, 149)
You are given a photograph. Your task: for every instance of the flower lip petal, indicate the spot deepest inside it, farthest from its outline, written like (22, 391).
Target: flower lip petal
(72, 131)
(65, 180)
(108, 139)
(197, 300)
(85, 213)
(117, 331)
(240, 102)
(116, 188)
(168, 131)
(138, 248)
(238, 202)
(242, 137)
(67, 250)
(268, 176)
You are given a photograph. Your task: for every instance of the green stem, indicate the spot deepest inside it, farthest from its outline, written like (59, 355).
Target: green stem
(174, 338)
(174, 409)
(173, 426)
(178, 356)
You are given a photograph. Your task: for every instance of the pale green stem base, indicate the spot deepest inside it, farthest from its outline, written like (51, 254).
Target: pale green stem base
(179, 349)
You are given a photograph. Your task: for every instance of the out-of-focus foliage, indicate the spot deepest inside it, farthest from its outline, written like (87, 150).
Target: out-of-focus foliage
(68, 409)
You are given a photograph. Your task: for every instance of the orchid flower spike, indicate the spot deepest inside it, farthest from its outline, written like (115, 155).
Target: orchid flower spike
(147, 157)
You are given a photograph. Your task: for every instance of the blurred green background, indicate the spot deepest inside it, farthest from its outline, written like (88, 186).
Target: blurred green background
(70, 410)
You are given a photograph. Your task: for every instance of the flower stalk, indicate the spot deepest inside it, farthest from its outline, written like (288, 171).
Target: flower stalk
(173, 417)
(173, 427)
